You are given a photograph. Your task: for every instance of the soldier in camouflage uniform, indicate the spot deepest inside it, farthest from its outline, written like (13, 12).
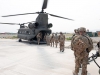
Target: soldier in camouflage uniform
(44, 37)
(52, 40)
(56, 40)
(61, 41)
(38, 37)
(76, 32)
(81, 45)
(48, 39)
(75, 35)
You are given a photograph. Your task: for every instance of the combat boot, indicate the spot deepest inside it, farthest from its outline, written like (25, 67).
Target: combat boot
(75, 73)
(63, 50)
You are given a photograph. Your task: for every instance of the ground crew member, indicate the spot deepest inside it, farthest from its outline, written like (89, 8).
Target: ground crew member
(82, 45)
(48, 39)
(38, 37)
(56, 40)
(61, 41)
(52, 40)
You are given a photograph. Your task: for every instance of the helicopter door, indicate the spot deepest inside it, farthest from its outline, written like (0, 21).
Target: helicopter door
(44, 32)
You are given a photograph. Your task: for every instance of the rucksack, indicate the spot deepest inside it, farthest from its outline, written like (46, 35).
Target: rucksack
(79, 46)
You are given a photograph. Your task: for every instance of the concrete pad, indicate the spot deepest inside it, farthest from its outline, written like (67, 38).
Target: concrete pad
(22, 58)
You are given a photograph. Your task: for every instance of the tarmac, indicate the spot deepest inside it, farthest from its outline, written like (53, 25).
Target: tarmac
(22, 58)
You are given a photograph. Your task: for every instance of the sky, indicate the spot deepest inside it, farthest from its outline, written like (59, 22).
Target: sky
(85, 13)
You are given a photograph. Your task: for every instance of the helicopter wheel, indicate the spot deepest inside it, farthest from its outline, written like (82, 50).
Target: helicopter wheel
(30, 42)
(20, 40)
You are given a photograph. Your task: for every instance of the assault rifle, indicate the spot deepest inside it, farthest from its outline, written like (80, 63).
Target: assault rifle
(93, 57)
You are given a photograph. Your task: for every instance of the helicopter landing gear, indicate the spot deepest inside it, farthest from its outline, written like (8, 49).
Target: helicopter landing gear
(30, 41)
(20, 40)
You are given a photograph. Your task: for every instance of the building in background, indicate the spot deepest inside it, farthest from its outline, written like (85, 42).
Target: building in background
(98, 33)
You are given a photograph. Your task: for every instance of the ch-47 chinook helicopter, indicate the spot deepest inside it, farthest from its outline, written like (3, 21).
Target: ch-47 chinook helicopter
(39, 26)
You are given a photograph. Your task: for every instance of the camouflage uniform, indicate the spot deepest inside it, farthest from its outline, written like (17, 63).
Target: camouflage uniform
(61, 41)
(38, 37)
(52, 40)
(82, 45)
(44, 37)
(48, 39)
(56, 40)
(73, 37)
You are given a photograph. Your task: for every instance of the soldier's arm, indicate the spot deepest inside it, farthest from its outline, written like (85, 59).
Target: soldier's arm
(72, 40)
(91, 44)
(72, 43)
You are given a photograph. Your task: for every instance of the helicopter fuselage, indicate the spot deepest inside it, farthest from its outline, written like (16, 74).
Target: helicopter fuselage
(31, 33)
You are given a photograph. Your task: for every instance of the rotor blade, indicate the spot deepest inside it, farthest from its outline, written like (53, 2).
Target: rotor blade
(59, 16)
(20, 14)
(44, 6)
(10, 23)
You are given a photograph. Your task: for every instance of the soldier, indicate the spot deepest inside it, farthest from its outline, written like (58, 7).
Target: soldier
(56, 40)
(44, 37)
(76, 32)
(82, 45)
(38, 37)
(61, 41)
(75, 35)
(52, 40)
(48, 39)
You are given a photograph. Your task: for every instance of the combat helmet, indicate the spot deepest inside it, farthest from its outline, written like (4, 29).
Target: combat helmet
(82, 29)
(60, 32)
(77, 30)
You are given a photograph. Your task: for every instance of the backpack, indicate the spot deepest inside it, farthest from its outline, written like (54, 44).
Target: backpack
(79, 45)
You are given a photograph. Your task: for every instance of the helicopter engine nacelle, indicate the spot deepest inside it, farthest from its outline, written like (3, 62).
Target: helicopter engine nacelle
(50, 25)
(32, 25)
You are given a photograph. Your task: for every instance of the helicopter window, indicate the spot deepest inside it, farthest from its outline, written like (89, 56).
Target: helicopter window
(24, 32)
(27, 32)
(19, 32)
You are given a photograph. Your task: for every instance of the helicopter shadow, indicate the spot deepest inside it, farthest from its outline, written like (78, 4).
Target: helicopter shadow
(32, 43)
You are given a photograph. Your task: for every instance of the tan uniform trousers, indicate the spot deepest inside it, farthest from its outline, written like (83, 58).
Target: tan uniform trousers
(56, 42)
(48, 40)
(81, 59)
(52, 42)
(38, 39)
(61, 44)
